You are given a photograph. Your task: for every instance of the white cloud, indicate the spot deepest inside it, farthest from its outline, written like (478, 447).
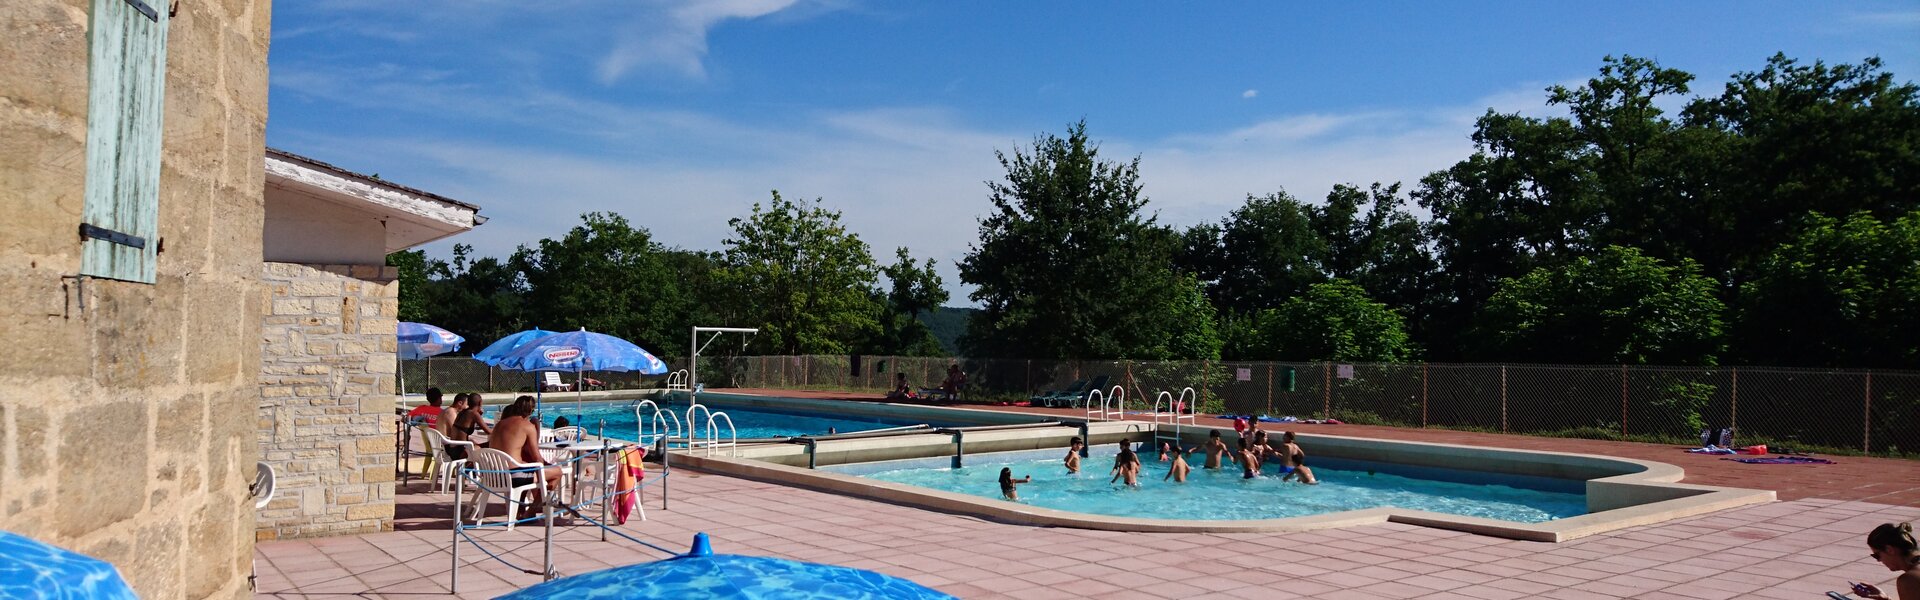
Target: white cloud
(1249, 93)
(675, 39)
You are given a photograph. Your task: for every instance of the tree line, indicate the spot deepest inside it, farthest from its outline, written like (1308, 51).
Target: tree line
(1773, 223)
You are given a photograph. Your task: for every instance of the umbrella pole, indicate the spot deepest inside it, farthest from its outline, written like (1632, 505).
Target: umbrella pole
(579, 389)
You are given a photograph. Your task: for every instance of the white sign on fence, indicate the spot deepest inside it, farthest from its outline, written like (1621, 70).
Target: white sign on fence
(1243, 374)
(1345, 371)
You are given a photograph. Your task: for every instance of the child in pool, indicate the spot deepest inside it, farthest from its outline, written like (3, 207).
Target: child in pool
(1007, 482)
(1249, 460)
(1126, 464)
(1178, 472)
(1073, 455)
(1214, 449)
(1299, 469)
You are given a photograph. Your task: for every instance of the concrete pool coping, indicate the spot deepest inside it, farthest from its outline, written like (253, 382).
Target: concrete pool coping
(1621, 492)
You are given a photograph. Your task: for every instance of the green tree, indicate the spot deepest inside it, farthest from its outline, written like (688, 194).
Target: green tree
(1068, 267)
(1333, 321)
(1837, 139)
(794, 271)
(1371, 240)
(916, 290)
(1842, 294)
(609, 277)
(1618, 306)
(413, 267)
(1270, 252)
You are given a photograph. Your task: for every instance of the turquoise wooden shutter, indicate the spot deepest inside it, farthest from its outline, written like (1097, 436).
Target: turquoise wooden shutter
(127, 77)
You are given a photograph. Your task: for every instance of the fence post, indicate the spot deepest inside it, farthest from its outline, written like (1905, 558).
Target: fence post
(1423, 394)
(1269, 388)
(1733, 420)
(1029, 377)
(490, 379)
(1866, 417)
(1205, 365)
(1503, 398)
(429, 362)
(1623, 400)
(1326, 390)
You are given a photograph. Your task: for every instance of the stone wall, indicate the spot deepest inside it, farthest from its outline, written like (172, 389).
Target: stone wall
(326, 398)
(126, 409)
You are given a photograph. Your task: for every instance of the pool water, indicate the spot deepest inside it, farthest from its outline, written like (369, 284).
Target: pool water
(619, 421)
(1222, 494)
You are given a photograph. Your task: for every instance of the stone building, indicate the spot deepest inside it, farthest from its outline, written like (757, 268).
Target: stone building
(131, 186)
(327, 371)
(146, 236)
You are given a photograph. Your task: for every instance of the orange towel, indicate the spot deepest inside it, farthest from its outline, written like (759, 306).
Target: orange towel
(632, 470)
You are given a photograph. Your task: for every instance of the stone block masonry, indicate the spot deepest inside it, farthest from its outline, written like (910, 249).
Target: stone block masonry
(326, 398)
(127, 409)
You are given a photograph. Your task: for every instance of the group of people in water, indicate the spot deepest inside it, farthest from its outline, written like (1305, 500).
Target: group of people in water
(1251, 456)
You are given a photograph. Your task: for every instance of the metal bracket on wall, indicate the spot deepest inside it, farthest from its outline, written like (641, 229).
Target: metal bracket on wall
(101, 233)
(144, 9)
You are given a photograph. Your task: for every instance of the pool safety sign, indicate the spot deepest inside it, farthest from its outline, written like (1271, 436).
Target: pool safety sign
(1243, 374)
(1344, 371)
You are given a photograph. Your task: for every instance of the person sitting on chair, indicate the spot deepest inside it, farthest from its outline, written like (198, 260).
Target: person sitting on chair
(956, 379)
(901, 391)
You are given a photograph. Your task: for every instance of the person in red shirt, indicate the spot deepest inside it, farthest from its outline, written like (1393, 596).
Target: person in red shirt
(428, 413)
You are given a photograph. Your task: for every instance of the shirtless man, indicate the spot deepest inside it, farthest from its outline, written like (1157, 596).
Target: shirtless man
(1178, 472)
(1073, 455)
(520, 438)
(1214, 449)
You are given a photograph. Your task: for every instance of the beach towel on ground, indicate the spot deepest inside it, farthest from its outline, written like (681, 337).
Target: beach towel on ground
(632, 470)
(1783, 460)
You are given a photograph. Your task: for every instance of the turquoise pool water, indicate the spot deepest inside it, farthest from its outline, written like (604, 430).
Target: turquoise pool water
(1221, 494)
(619, 421)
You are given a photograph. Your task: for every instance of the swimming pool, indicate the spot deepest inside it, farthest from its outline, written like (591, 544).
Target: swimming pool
(619, 423)
(1221, 494)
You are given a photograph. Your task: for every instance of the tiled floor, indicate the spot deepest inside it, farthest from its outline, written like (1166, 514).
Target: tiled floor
(1785, 550)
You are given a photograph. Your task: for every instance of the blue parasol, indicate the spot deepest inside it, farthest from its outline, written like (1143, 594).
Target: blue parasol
(579, 351)
(702, 574)
(500, 348)
(30, 569)
(420, 340)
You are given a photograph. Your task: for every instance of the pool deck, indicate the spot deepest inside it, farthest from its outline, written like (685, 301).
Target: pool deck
(1807, 544)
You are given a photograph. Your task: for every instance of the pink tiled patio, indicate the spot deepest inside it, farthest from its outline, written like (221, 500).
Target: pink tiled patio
(1785, 550)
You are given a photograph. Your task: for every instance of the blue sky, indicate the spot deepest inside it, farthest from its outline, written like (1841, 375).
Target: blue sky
(681, 115)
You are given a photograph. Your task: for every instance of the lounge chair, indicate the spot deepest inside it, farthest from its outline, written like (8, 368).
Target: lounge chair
(1080, 400)
(550, 382)
(1046, 398)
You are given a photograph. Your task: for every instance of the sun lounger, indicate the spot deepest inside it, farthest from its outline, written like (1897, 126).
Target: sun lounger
(1046, 398)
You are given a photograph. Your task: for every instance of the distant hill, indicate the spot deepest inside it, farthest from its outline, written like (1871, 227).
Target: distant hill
(948, 323)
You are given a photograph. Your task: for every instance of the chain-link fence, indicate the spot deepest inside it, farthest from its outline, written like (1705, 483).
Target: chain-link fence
(1834, 411)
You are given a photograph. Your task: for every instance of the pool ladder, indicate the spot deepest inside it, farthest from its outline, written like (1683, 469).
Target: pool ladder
(710, 441)
(657, 426)
(1170, 411)
(1107, 406)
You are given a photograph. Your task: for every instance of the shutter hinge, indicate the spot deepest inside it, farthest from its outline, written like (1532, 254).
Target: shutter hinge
(152, 15)
(88, 231)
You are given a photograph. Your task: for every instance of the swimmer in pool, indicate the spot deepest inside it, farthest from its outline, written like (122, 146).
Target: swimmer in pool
(1126, 464)
(1178, 472)
(1299, 469)
(1214, 449)
(1007, 482)
(1073, 455)
(1249, 460)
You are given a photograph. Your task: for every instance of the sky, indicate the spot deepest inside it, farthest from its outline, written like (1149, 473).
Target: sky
(681, 114)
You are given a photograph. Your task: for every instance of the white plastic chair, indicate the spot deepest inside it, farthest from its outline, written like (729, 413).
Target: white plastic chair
(499, 483)
(602, 485)
(550, 381)
(447, 469)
